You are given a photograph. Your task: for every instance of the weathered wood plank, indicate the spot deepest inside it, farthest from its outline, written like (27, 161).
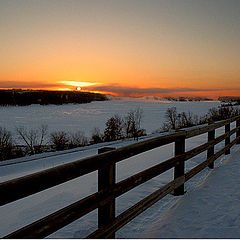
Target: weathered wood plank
(25, 186)
(22, 187)
(238, 132)
(61, 218)
(195, 151)
(194, 131)
(227, 140)
(106, 180)
(210, 151)
(204, 164)
(179, 168)
(135, 210)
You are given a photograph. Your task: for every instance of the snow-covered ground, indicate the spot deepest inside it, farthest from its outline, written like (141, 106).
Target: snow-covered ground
(85, 117)
(211, 210)
(151, 222)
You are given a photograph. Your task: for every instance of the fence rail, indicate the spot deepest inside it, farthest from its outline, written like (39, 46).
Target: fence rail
(108, 189)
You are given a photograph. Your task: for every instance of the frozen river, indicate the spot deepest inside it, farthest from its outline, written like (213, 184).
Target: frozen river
(85, 117)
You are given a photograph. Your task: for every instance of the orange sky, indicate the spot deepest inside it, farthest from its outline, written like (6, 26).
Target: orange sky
(128, 48)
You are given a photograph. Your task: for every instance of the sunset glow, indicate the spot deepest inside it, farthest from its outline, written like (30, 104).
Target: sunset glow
(125, 48)
(77, 84)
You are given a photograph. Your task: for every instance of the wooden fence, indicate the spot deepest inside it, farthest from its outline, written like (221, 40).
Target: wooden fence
(109, 189)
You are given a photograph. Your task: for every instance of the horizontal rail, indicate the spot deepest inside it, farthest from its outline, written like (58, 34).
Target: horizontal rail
(25, 186)
(147, 202)
(63, 217)
(135, 210)
(204, 164)
(194, 131)
(22, 187)
(206, 146)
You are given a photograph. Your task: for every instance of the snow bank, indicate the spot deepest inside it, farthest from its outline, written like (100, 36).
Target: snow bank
(211, 210)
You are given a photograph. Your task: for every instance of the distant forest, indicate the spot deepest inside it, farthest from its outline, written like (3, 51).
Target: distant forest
(230, 100)
(18, 97)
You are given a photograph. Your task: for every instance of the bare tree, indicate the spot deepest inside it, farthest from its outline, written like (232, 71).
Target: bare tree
(59, 139)
(132, 123)
(33, 138)
(97, 136)
(77, 139)
(43, 133)
(128, 122)
(172, 117)
(6, 144)
(178, 120)
(187, 120)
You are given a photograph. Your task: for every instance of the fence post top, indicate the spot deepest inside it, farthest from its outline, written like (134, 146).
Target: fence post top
(184, 132)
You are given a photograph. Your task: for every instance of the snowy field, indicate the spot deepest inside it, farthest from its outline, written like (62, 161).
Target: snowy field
(32, 208)
(85, 117)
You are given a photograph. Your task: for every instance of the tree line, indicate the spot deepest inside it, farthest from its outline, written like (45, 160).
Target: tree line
(38, 140)
(18, 97)
(175, 120)
(117, 127)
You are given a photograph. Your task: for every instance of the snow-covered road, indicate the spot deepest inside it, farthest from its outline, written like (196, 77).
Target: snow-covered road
(212, 210)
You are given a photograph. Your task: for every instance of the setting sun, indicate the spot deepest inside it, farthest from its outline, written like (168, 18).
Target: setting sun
(148, 50)
(77, 84)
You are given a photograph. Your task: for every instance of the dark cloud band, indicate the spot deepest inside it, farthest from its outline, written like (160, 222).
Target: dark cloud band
(126, 91)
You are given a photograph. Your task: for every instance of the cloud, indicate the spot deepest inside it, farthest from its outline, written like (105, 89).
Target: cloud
(129, 91)
(78, 84)
(22, 84)
(111, 88)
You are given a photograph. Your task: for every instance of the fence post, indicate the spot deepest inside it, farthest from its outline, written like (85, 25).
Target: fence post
(106, 178)
(238, 132)
(227, 140)
(179, 168)
(210, 151)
